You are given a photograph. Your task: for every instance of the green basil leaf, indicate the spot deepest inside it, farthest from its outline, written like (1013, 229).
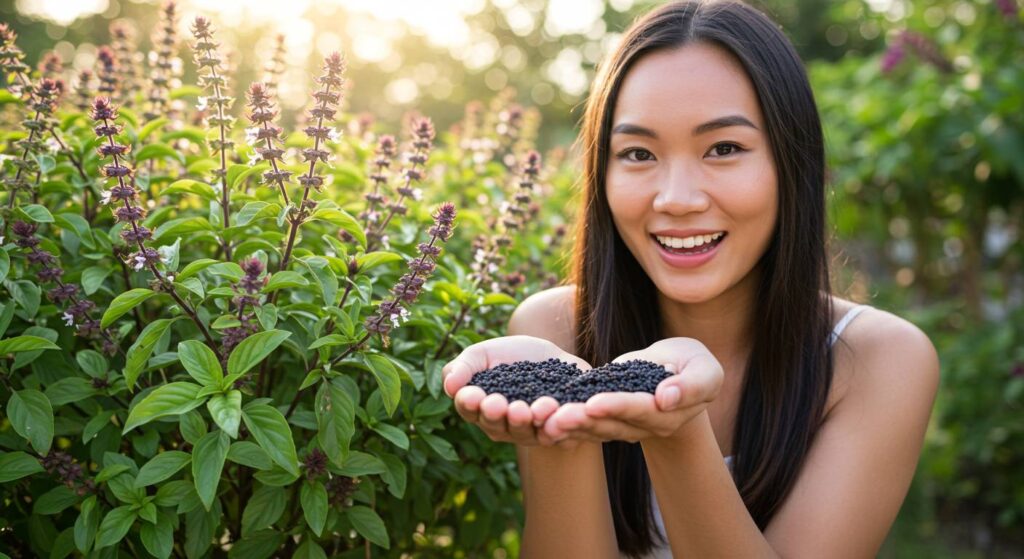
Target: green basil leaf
(271, 431)
(143, 348)
(31, 416)
(20, 344)
(393, 434)
(16, 465)
(161, 467)
(285, 279)
(171, 399)
(159, 151)
(86, 524)
(265, 507)
(369, 525)
(254, 349)
(55, 500)
(193, 268)
(226, 411)
(36, 213)
(71, 389)
(201, 362)
(313, 498)
(124, 303)
(387, 378)
(309, 550)
(92, 363)
(114, 526)
(208, 463)
(248, 453)
(335, 416)
(158, 538)
(342, 219)
(189, 186)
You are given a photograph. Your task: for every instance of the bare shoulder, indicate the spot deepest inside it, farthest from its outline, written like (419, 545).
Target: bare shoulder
(547, 314)
(863, 459)
(880, 351)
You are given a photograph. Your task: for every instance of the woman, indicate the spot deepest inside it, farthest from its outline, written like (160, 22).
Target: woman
(701, 247)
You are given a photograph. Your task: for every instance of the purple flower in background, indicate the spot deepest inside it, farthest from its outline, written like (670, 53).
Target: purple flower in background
(923, 47)
(893, 56)
(1017, 371)
(1008, 8)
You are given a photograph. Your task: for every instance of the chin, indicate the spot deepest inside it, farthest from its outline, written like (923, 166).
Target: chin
(691, 294)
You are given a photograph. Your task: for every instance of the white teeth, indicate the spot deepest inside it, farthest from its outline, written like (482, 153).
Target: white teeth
(688, 242)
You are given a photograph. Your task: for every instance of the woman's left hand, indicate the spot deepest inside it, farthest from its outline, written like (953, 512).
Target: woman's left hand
(634, 416)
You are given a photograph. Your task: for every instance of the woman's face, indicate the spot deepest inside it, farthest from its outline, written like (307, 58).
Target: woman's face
(691, 181)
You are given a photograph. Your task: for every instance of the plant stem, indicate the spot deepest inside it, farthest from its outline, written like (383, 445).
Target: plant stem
(168, 286)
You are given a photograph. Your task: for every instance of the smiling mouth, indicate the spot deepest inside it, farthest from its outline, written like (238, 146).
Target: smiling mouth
(690, 251)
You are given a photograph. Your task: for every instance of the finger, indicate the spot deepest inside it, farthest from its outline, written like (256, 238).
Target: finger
(456, 374)
(697, 383)
(467, 402)
(568, 417)
(627, 406)
(520, 423)
(629, 356)
(615, 430)
(493, 410)
(542, 408)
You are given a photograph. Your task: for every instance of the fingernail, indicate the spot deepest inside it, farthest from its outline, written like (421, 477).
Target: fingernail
(671, 397)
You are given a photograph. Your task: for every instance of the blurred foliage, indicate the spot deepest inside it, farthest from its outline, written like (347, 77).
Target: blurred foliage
(926, 146)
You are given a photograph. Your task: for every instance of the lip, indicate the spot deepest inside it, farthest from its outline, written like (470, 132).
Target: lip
(682, 260)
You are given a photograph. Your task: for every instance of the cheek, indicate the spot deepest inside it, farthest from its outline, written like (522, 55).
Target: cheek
(626, 203)
(756, 201)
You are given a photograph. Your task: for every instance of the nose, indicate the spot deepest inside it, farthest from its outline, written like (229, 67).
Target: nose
(682, 191)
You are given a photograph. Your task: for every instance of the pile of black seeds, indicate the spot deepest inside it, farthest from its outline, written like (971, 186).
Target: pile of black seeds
(565, 382)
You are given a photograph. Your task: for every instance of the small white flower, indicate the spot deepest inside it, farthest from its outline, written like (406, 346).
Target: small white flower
(106, 197)
(400, 317)
(334, 134)
(504, 207)
(253, 158)
(372, 217)
(69, 319)
(479, 255)
(201, 105)
(492, 268)
(140, 261)
(170, 277)
(252, 135)
(417, 194)
(52, 146)
(384, 241)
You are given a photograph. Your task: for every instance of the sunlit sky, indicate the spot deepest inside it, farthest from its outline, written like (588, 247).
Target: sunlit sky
(371, 26)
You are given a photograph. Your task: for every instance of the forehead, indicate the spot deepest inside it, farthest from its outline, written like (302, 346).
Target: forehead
(694, 83)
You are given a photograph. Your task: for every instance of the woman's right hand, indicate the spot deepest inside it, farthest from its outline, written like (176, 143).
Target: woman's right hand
(516, 422)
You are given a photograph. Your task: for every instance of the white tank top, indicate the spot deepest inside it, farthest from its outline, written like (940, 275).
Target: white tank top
(663, 551)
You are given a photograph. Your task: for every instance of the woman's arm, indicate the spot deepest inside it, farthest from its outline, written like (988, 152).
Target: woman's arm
(854, 480)
(565, 493)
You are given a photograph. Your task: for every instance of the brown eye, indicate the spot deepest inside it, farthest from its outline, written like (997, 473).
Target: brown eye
(724, 149)
(639, 154)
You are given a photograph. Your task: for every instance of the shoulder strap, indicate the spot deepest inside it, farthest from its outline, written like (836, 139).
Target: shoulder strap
(847, 318)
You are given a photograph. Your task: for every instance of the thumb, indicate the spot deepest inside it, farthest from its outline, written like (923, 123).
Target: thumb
(458, 372)
(455, 374)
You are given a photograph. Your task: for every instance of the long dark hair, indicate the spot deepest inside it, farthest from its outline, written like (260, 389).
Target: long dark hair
(789, 371)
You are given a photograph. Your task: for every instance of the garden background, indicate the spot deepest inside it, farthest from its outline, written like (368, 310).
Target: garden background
(923, 104)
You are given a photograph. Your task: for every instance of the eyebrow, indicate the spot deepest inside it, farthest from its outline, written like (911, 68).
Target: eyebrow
(721, 122)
